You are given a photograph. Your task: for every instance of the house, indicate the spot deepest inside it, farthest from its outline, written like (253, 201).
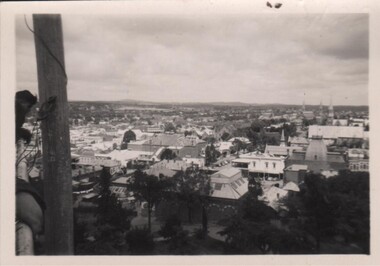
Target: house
(308, 115)
(219, 130)
(266, 116)
(125, 156)
(184, 146)
(272, 197)
(198, 162)
(281, 150)
(160, 171)
(340, 122)
(228, 184)
(224, 147)
(174, 165)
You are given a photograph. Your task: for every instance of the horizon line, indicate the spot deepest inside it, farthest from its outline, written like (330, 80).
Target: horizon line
(209, 102)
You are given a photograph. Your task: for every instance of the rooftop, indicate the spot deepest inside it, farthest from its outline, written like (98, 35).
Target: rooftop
(334, 132)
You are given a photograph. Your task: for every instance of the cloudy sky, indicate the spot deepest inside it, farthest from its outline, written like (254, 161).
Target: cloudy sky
(251, 58)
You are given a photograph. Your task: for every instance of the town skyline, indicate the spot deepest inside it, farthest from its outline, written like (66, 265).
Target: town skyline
(261, 59)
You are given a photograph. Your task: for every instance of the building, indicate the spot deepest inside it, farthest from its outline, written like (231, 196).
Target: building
(331, 134)
(260, 165)
(174, 165)
(281, 150)
(298, 142)
(184, 146)
(358, 160)
(308, 115)
(295, 173)
(359, 165)
(228, 184)
(317, 158)
(126, 156)
(340, 122)
(272, 197)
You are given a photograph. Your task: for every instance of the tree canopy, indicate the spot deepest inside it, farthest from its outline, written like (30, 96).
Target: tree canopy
(193, 188)
(211, 154)
(128, 137)
(149, 188)
(334, 207)
(168, 154)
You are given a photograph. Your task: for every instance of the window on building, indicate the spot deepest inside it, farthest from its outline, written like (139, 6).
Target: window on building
(274, 165)
(266, 165)
(254, 164)
(315, 157)
(234, 185)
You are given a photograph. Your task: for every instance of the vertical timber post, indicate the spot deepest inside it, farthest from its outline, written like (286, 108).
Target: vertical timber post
(52, 82)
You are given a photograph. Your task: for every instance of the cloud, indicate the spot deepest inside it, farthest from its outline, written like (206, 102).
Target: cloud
(255, 59)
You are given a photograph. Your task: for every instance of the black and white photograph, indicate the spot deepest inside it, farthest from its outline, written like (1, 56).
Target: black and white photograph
(191, 133)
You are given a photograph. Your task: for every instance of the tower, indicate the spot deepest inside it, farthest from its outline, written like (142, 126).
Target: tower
(331, 112)
(282, 141)
(303, 103)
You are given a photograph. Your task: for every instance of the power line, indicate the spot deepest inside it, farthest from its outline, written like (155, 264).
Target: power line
(47, 48)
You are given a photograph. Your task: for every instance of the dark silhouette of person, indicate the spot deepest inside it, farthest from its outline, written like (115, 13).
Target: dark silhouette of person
(23, 104)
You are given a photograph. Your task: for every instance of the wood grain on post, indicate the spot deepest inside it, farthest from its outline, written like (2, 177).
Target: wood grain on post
(55, 135)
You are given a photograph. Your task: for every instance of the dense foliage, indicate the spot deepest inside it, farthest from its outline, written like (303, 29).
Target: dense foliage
(128, 137)
(149, 188)
(327, 216)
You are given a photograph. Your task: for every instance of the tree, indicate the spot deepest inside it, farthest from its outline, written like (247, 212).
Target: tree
(171, 227)
(257, 126)
(290, 130)
(111, 224)
(239, 145)
(337, 206)
(149, 188)
(210, 139)
(225, 136)
(140, 242)
(211, 154)
(169, 127)
(249, 231)
(110, 210)
(193, 188)
(128, 136)
(168, 154)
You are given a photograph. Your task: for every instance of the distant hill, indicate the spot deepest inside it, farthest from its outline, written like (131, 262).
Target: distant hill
(224, 104)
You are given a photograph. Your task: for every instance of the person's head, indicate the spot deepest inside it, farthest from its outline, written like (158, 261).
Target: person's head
(26, 99)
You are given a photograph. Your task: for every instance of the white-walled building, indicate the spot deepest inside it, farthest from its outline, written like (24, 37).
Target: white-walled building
(260, 164)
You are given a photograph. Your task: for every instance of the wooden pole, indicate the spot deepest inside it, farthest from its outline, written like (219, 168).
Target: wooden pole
(55, 135)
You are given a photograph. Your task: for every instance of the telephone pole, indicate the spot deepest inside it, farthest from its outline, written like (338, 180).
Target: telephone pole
(52, 82)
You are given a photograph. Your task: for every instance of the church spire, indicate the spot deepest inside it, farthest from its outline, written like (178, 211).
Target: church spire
(331, 112)
(282, 142)
(331, 108)
(303, 103)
